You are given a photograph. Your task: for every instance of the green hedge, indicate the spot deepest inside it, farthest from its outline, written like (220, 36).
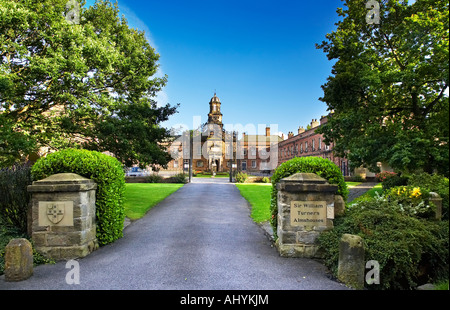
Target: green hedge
(320, 166)
(106, 171)
(411, 251)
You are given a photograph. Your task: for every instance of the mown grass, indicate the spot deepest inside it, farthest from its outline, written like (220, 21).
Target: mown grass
(352, 184)
(141, 197)
(258, 195)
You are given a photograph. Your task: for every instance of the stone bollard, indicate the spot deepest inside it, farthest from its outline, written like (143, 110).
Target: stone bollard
(339, 205)
(18, 260)
(63, 216)
(351, 265)
(437, 200)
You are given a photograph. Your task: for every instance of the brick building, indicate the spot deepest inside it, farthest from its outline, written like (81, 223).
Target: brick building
(212, 146)
(309, 143)
(258, 152)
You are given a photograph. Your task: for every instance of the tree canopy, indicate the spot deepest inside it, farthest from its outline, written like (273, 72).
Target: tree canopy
(388, 92)
(86, 82)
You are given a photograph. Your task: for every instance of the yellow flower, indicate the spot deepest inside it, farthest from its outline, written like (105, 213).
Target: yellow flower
(416, 192)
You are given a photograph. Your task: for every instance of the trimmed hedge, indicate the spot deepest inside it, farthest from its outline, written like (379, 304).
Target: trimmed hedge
(106, 171)
(320, 166)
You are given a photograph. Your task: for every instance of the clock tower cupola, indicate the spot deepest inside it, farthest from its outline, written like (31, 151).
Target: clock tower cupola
(214, 116)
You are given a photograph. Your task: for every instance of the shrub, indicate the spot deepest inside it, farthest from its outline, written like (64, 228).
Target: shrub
(433, 183)
(14, 197)
(411, 200)
(320, 166)
(154, 178)
(180, 178)
(106, 171)
(357, 178)
(382, 176)
(393, 181)
(241, 177)
(265, 180)
(410, 251)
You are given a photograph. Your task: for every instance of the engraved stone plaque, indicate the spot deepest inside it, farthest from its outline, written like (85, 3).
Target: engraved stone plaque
(55, 213)
(308, 213)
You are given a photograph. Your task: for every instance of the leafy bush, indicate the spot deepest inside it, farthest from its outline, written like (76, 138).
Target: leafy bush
(412, 200)
(180, 178)
(265, 180)
(410, 251)
(382, 176)
(106, 171)
(154, 178)
(393, 181)
(14, 197)
(241, 177)
(433, 183)
(357, 178)
(320, 166)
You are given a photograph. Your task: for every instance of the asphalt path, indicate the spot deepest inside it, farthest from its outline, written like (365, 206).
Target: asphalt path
(199, 238)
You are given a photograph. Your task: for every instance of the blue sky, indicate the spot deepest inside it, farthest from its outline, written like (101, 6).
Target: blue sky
(259, 56)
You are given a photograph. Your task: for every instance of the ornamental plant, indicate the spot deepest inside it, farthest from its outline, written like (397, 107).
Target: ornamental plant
(382, 176)
(106, 171)
(411, 200)
(411, 251)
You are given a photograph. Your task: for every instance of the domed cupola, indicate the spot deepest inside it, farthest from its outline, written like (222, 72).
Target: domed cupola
(214, 116)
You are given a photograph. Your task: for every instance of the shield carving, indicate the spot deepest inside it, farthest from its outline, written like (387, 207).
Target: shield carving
(55, 212)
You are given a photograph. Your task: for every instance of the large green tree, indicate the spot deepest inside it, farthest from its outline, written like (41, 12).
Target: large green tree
(388, 92)
(78, 77)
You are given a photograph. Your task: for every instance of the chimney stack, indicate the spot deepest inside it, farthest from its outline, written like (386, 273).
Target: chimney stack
(301, 130)
(290, 134)
(267, 131)
(314, 123)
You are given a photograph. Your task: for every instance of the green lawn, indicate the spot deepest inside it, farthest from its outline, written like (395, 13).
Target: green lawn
(141, 197)
(258, 195)
(352, 184)
(370, 194)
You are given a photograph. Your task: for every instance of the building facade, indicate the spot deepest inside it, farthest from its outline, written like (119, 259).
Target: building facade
(309, 143)
(258, 153)
(211, 148)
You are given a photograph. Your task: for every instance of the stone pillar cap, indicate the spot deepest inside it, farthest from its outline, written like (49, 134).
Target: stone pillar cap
(63, 182)
(64, 178)
(305, 178)
(305, 182)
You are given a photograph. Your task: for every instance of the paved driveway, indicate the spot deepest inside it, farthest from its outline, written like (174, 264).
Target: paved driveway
(199, 238)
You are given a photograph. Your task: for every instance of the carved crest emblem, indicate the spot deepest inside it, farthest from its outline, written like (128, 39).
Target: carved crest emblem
(55, 212)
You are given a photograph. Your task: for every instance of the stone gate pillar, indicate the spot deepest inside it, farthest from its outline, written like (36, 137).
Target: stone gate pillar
(305, 209)
(63, 216)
